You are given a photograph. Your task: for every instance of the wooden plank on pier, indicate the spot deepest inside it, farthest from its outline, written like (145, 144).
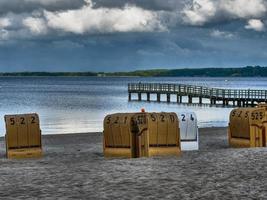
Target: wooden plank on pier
(242, 97)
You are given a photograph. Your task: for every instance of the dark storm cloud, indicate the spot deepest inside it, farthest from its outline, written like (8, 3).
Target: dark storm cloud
(190, 47)
(116, 35)
(21, 6)
(167, 5)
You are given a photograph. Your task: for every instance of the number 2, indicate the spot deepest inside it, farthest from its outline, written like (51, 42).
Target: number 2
(33, 120)
(183, 117)
(117, 120)
(22, 120)
(162, 118)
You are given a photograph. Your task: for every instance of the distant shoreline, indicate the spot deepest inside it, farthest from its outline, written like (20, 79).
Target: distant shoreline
(249, 71)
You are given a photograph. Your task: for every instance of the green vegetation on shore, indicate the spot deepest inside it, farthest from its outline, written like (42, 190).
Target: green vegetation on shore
(248, 71)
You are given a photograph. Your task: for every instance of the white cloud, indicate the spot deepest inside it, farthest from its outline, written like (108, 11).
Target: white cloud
(221, 34)
(255, 24)
(199, 12)
(104, 20)
(4, 22)
(243, 8)
(83, 20)
(88, 19)
(37, 26)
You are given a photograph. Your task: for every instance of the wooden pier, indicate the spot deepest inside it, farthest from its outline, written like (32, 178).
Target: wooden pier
(234, 97)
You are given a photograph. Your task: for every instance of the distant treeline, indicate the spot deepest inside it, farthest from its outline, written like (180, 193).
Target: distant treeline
(248, 71)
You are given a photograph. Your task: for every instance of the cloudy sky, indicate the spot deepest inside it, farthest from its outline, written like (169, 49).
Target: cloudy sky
(122, 35)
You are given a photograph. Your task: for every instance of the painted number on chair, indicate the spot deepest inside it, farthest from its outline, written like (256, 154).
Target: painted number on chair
(12, 121)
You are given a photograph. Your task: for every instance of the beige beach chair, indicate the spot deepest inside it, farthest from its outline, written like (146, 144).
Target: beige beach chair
(142, 134)
(247, 127)
(23, 136)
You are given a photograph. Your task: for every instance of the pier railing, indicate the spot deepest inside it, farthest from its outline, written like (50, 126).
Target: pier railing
(197, 91)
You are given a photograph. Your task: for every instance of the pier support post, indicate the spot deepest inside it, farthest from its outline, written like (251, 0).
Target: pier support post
(139, 96)
(148, 96)
(130, 96)
(168, 98)
(190, 99)
(225, 102)
(158, 97)
(178, 98)
(181, 99)
(200, 100)
(211, 101)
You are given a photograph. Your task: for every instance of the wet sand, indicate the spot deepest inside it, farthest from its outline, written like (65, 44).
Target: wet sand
(73, 167)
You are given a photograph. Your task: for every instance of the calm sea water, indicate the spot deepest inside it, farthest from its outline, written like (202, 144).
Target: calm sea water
(79, 104)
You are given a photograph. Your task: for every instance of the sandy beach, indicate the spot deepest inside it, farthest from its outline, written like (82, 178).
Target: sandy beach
(73, 167)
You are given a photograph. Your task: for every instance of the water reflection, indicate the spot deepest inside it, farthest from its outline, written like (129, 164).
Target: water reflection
(79, 104)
